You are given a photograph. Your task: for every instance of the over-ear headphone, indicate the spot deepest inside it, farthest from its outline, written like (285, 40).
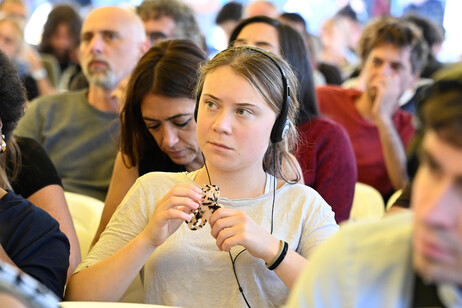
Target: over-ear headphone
(281, 125)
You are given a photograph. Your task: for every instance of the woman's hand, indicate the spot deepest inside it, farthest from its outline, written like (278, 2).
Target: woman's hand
(171, 211)
(233, 227)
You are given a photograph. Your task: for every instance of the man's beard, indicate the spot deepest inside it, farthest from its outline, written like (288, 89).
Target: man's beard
(106, 80)
(103, 77)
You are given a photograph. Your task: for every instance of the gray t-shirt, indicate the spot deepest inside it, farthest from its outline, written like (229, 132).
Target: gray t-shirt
(80, 140)
(188, 269)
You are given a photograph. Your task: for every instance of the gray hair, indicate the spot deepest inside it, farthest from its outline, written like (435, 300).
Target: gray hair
(186, 26)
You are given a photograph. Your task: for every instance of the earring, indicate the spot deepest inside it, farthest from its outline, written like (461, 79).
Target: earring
(3, 144)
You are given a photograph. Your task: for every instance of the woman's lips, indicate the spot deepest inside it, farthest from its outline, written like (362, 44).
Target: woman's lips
(220, 146)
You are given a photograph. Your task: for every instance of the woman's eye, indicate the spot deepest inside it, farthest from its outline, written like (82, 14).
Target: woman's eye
(152, 126)
(183, 124)
(211, 105)
(243, 112)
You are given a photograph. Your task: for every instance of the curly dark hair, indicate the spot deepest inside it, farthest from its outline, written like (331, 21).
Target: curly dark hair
(12, 96)
(12, 103)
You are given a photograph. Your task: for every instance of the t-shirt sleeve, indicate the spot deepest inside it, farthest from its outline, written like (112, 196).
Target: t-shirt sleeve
(318, 223)
(33, 241)
(37, 170)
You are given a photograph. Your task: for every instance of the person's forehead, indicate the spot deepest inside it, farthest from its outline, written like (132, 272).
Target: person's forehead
(392, 52)
(446, 154)
(257, 28)
(13, 7)
(107, 20)
(164, 24)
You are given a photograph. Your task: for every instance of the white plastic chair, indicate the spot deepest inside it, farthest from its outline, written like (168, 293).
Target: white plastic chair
(86, 213)
(367, 203)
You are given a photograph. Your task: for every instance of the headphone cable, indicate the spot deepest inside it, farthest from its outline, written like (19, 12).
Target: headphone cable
(233, 261)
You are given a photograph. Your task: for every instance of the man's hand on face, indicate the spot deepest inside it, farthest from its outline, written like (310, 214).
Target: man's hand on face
(385, 93)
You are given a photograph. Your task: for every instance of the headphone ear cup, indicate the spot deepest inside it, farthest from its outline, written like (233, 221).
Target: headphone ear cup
(280, 130)
(282, 124)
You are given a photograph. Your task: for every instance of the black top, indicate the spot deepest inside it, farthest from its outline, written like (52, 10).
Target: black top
(156, 160)
(36, 171)
(425, 295)
(33, 241)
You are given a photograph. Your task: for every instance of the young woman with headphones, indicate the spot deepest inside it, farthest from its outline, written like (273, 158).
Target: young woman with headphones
(266, 225)
(324, 151)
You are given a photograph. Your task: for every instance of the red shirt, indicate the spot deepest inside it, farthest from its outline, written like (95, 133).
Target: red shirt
(339, 104)
(328, 163)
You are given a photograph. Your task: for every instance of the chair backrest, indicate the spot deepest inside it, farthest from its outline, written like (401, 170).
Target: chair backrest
(51, 64)
(86, 213)
(367, 203)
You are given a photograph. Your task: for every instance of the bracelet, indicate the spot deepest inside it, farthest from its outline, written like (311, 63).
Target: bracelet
(279, 257)
(39, 74)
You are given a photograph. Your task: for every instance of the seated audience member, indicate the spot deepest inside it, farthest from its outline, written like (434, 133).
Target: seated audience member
(434, 37)
(16, 9)
(354, 29)
(297, 22)
(324, 151)
(31, 70)
(404, 200)
(259, 216)
(61, 35)
(79, 129)
(61, 39)
(261, 8)
(163, 19)
(157, 125)
(37, 179)
(228, 17)
(169, 19)
(29, 237)
(392, 55)
(335, 38)
(409, 259)
(34, 177)
(407, 100)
